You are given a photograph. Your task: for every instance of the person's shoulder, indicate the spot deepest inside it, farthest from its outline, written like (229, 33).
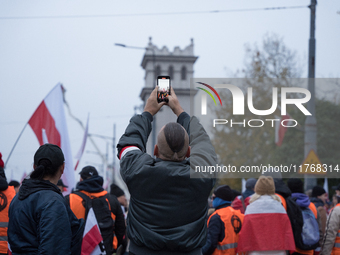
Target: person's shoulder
(336, 210)
(47, 197)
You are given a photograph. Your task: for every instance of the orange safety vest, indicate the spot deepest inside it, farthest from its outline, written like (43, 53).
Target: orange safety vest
(336, 248)
(78, 208)
(6, 197)
(315, 212)
(283, 201)
(232, 220)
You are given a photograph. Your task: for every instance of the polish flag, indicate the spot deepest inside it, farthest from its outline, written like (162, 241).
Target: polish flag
(82, 147)
(9, 251)
(48, 123)
(92, 238)
(266, 227)
(23, 177)
(280, 130)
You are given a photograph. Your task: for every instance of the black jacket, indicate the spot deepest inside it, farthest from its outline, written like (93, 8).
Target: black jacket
(216, 233)
(95, 185)
(281, 188)
(40, 222)
(167, 207)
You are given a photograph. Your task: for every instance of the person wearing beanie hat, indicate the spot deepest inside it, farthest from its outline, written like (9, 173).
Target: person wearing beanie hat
(89, 189)
(319, 196)
(241, 202)
(281, 189)
(224, 224)
(120, 195)
(15, 184)
(296, 187)
(266, 228)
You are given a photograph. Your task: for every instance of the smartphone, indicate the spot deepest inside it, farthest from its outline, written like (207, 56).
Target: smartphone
(163, 88)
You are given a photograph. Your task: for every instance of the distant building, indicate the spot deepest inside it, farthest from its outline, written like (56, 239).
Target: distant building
(179, 65)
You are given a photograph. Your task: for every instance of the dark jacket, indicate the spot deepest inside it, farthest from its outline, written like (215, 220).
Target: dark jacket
(317, 202)
(95, 185)
(281, 188)
(40, 222)
(167, 207)
(216, 232)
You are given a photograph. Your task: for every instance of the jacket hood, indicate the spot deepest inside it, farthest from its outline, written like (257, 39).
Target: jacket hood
(94, 184)
(30, 186)
(301, 199)
(247, 193)
(281, 188)
(219, 203)
(317, 201)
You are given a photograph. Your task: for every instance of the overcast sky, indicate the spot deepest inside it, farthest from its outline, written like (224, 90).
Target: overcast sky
(77, 50)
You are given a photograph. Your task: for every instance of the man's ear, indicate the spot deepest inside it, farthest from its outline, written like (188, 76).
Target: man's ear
(188, 152)
(62, 169)
(155, 151)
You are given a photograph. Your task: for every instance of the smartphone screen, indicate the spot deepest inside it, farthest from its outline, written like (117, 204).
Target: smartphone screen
(163, 89)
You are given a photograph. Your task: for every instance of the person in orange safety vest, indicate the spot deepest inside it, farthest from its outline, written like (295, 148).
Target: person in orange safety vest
(224, 224)
(89, 191)
(6, 195)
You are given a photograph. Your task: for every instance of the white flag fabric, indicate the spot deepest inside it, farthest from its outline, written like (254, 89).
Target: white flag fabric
(82, 147)
(92, 239)
(325, 185)
(243, 185)
(48, 123)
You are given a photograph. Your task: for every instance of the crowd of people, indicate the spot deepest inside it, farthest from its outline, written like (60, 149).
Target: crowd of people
(168, 212)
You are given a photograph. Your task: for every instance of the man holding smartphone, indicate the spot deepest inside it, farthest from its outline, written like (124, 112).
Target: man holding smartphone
(167, 209)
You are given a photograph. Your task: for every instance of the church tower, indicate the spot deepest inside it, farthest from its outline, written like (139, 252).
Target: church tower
(179, 65)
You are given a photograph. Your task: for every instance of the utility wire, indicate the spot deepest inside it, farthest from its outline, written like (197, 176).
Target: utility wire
(152, 14)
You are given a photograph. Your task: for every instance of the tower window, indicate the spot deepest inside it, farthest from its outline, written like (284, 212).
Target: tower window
(183, 73)
(171, 72)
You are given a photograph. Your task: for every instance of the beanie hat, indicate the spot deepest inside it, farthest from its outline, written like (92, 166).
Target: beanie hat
(225, 193)
(1, 161)
(250, 183)
(318, 191)
(13, 183)
(265, 186)
(295, 185)
(116, 191)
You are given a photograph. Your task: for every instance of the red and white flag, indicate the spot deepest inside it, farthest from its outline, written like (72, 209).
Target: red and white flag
(281, 130)
(266, 227)
(82, 147)
(48, 123)
(23, 177)
(92, 239)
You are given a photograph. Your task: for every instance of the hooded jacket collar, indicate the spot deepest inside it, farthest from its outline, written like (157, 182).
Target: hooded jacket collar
(301, 199)
(92, 185)
(30, 186)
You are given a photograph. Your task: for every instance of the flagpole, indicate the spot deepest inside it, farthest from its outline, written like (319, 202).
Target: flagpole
(22, 131)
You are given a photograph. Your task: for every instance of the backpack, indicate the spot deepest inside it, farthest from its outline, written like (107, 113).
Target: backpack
(102, 210)
(304, 225)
